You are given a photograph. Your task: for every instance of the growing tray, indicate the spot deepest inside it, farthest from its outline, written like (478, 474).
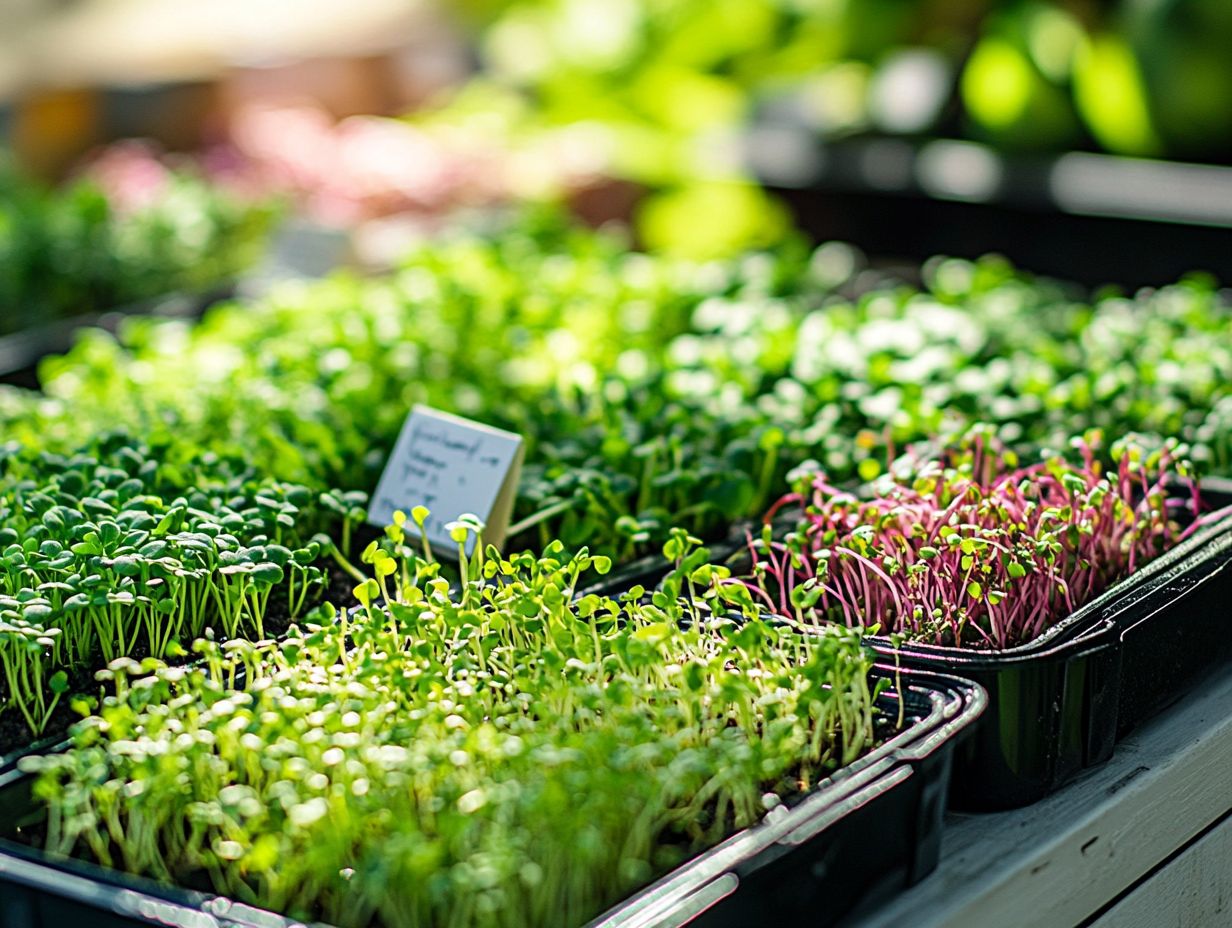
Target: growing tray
(872, 827)
(1060, 703)
(1177, 630)
(842, 190)
(21, 352)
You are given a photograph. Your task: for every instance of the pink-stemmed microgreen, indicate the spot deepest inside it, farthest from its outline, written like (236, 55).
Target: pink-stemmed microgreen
(969, 548)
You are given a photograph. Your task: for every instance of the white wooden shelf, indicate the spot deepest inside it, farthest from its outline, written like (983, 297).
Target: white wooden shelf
(1144, 841)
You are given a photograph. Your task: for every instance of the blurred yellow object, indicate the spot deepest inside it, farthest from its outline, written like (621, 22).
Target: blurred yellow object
(53, 128)
(1053, 38)
(711, 219)
(997, 84)
(1111, 96)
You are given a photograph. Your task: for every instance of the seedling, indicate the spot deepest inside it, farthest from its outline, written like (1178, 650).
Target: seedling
(969, 549)
(103, 555)
(440, 758)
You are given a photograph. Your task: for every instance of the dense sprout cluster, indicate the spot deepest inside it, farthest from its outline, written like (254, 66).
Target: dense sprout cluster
(437, 755)
(655, 392)
(124, 549)
(970, 549)
(503, 754)
(552, 332)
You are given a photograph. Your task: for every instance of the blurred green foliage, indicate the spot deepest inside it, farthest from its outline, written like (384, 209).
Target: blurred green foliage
(672, 82)
(76, 251)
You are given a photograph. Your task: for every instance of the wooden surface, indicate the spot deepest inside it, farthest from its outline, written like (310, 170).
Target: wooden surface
(1193, 889)
(1092, 853)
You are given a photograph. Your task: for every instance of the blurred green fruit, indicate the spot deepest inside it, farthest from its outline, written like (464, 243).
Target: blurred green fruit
(1010, 102)
(1111, 96)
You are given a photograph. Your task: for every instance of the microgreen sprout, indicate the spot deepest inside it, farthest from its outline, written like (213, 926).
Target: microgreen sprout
(969, 549)
(508, 753)
(99, 560)
(651, 392)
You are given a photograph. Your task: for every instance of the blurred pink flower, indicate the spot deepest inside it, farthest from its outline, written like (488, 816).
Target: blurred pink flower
(130, 174)
(362, 168)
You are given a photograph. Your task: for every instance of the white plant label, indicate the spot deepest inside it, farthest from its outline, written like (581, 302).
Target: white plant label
(452, 466)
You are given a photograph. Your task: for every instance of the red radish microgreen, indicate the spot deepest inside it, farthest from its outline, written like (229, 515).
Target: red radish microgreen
(969, 549)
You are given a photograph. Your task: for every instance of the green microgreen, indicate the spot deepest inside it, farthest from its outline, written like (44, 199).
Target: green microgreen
(503, 754)
(118, 550)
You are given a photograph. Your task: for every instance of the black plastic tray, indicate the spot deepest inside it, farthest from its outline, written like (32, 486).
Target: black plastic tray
(841, 189)
(21, 352)
(1060, 703)
(867, 832)
(873, 826)
(49, 745)
(1176, 632)
(1050, 714)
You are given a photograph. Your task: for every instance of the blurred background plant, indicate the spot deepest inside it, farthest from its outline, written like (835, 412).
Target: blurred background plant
(133, 228)
(626, 108)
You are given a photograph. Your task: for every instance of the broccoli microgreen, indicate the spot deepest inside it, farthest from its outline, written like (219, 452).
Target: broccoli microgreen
(116, 551)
